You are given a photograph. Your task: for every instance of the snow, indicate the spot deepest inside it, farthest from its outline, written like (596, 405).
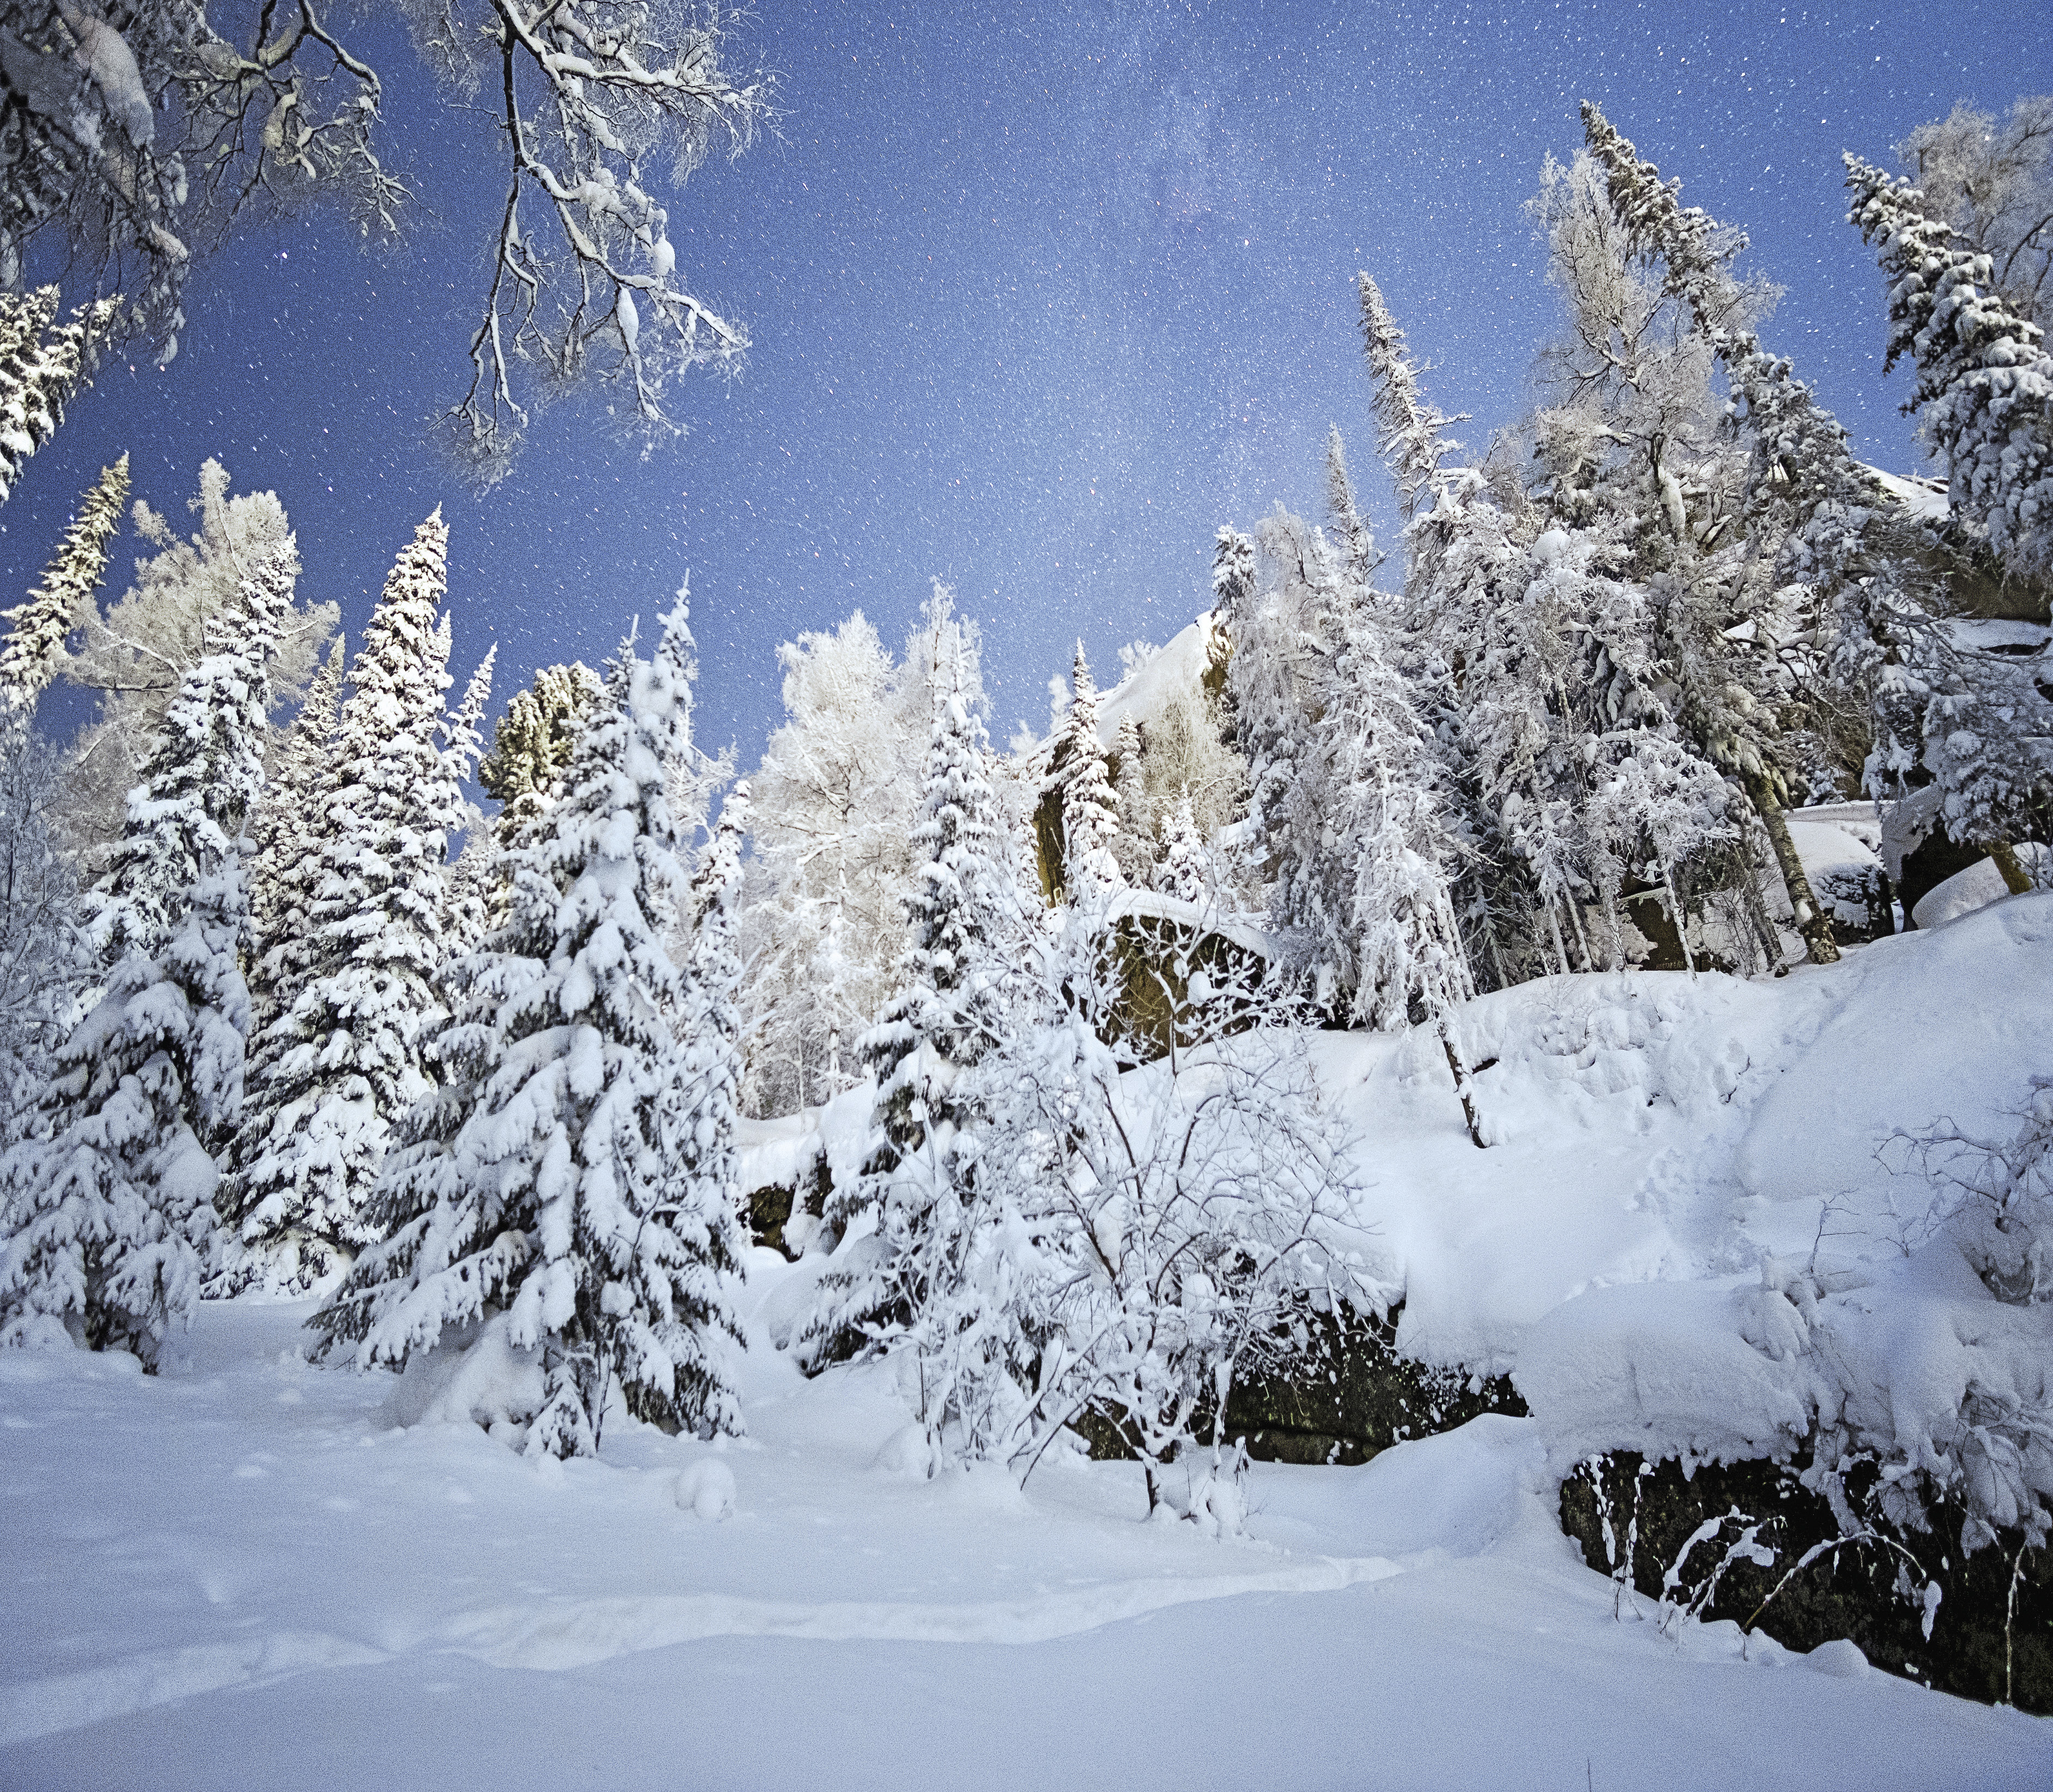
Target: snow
(1173, 673)
(1978, 885)
(273, 1574)
(1924, 499)
(241, 1574)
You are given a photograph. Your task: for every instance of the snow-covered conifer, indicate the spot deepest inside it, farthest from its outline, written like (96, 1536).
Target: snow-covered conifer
(1182, 870)
(133, 657)
(109, 1202)
(41, 362)
(1090, 807)
(1135, 847)
(709, 1018)
(1355, 543)
(531, 744)
(949, 1011)
(1985, 378)
(546, 1176)
(287, 828)
(345, 1061)
(34, 649)
(44, 962)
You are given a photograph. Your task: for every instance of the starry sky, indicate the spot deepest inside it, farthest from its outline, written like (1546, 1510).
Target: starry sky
(1040, 296)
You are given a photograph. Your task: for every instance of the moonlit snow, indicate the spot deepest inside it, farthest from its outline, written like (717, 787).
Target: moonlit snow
(276, 1575)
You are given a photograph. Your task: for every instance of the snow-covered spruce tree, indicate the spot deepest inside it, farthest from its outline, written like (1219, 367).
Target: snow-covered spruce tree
(1465, 560)
(1985, 378)
(1282, 636)
(109, 1202)
(467, 912)
(344, 1062)
(707, 1021)
(34, 652)
(1090, 807)
(1355, 544)
(551, 1177)
(1182, 870)
(1401, 959)
(41, 362)
(950, 1008)
(1134, 847)
(133, 657)
(286, 830)
(531, 743)
(44, 962)
(1993, 181)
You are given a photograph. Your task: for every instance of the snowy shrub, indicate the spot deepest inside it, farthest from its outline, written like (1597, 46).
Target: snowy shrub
(1135, 1241)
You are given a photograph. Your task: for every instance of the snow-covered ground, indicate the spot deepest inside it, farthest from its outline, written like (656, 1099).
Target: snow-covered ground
(240, 1575)
(244, 1573)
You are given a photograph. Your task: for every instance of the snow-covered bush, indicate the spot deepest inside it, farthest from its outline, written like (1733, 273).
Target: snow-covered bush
(1136, 1240)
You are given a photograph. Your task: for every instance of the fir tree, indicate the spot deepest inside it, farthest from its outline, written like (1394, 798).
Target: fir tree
(1181, 872)
(708, 1019)
(532, 743)
(345, 1060)
(110, 1200)
(287, 829)
(1811, 507)
(468, 907)
(41, 362)
(44, 962)
(950, 1010)
(1134, 847)
(1984, 379)
(35, 647)
(1090, 807)
(550, 1174)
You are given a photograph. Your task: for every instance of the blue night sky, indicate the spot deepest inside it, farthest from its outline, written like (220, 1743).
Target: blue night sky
(1039, 298)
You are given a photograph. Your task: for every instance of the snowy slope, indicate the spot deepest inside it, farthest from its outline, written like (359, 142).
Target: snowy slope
(247, 1573)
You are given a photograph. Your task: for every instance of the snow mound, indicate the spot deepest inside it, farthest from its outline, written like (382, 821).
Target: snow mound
(706, 1490)
(1977, 887)
(478, 1378)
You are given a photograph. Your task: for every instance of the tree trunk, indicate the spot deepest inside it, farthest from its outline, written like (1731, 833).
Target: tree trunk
(1464, 1086)
(1811, 922)
(2016, 878)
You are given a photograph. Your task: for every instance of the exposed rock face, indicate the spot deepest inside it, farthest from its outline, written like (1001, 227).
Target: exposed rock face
(1991, 1634)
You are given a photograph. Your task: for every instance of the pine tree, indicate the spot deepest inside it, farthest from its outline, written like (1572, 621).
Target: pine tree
(1090, 807)
(1134, 847)
(345, 1059)
(550, 1175)
(35, 647)
(41, 362)
(1984, 377)
(45, 965)
(532, 743)
(1356, 546)
(110, 1200)
(286, 874)
(950, 1010)
(468, 909)
(1181, 872)
(708, 1019)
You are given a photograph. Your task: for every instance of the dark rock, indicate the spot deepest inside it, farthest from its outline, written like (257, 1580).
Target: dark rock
(1991, 1635)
